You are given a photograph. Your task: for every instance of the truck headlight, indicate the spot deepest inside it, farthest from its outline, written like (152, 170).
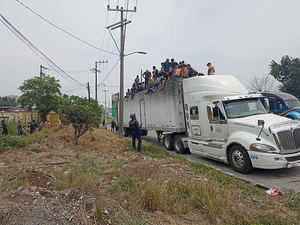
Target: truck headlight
(298, 117)
(263, 148)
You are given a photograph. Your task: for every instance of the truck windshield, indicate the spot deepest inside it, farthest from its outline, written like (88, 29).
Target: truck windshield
(292, 103)
(243, 107)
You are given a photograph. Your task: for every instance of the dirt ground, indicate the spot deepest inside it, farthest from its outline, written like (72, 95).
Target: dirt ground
(54, 181)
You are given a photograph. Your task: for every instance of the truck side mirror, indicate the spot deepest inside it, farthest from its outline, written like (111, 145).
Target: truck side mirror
(260, 123)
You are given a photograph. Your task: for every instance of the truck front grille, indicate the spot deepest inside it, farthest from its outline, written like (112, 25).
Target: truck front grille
(287, 140)
(297, 137)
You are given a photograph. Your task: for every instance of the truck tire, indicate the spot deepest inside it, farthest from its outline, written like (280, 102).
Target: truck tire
(168, 142)
(126, 132)
(239, 159)
(178, 145)
(144, 132)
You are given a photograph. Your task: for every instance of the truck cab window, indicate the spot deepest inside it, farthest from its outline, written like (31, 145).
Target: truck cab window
(194, 113)
(216, 115)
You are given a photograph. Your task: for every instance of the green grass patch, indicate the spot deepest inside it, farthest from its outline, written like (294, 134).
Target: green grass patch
(117, 165)
(125, 184)
(8, 142)
(85, 176)
(224, 179)
(154, 152)
(264, 221)
(36, 149)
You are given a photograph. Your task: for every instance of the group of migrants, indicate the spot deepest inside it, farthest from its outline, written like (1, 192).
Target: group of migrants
(32, 127)
(158, 78)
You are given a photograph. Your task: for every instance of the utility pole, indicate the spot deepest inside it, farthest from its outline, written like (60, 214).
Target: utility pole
(121, 24)
(105, 104)
(41, 70)
(89, 91)
(96, 76)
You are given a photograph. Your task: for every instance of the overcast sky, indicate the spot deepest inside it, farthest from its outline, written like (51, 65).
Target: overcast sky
(239, 37)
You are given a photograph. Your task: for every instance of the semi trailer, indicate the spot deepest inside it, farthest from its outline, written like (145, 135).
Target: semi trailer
(216, 117)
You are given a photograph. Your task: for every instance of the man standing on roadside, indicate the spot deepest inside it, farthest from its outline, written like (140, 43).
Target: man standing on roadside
(4, 128)
(136, 132)
(113, 126)
(211, 69)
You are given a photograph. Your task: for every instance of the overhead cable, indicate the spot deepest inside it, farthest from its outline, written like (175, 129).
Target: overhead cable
(63, 30)
(39, 53)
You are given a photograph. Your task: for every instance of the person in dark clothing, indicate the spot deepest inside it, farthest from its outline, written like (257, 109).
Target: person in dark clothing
(31, 127)
(4, 128)
(19, 128)
(136, 132)
(103, 123)
(113, 126)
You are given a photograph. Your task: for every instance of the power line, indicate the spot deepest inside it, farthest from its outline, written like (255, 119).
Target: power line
(61, 29)
(111, 71)
(39, 53)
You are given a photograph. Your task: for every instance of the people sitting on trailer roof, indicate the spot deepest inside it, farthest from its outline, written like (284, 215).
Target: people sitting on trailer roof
(191, 71)
(147, 76)
(160, 77)
(173, 66)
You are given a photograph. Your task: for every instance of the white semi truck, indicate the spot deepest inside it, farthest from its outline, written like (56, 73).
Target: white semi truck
(216, 117)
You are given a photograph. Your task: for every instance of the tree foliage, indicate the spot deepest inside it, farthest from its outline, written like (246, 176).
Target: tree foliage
(40, 93)
(82, 114)
(287, 72)
(263, 83)
(8, 101)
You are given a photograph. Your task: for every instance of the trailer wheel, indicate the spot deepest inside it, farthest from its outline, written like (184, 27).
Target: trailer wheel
(239, 159)
(126, 132)
(168, 142)
(144, 132)
(178, 145)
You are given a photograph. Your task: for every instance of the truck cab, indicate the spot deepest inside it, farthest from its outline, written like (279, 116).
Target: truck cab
(226, 123)
(283, 104)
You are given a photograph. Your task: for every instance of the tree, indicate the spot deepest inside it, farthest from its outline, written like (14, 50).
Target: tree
(82, 114)
(287, 72)
(40, 93)
(8, 101)
(263, 83)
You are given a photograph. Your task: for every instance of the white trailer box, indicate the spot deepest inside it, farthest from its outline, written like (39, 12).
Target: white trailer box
(162, 110)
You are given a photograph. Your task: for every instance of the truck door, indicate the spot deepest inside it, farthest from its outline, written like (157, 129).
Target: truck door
(142, 114)
(218, 129)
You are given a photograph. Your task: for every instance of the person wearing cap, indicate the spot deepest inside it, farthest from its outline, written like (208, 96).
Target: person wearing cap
(4, 128)
(136, 132)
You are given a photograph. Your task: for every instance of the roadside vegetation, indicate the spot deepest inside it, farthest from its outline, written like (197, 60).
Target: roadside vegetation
(102, 181)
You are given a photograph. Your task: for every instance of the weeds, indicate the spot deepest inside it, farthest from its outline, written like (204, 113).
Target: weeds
(36, 149)
(154, 152)
(99, 210)
(85, 176)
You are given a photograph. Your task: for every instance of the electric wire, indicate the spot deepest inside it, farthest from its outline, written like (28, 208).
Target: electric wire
(111, 70)
(63, 30)
(39, 53)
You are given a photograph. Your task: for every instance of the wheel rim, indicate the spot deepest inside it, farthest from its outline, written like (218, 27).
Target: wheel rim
(177, 145)
(238, 159)
(167, 142)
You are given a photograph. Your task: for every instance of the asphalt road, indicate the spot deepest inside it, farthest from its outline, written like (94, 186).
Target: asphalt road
(282, 179)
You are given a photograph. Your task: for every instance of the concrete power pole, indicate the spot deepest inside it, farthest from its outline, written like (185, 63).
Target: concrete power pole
(105, 107)
(89, 92)
(121, 25)
(96, 76)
